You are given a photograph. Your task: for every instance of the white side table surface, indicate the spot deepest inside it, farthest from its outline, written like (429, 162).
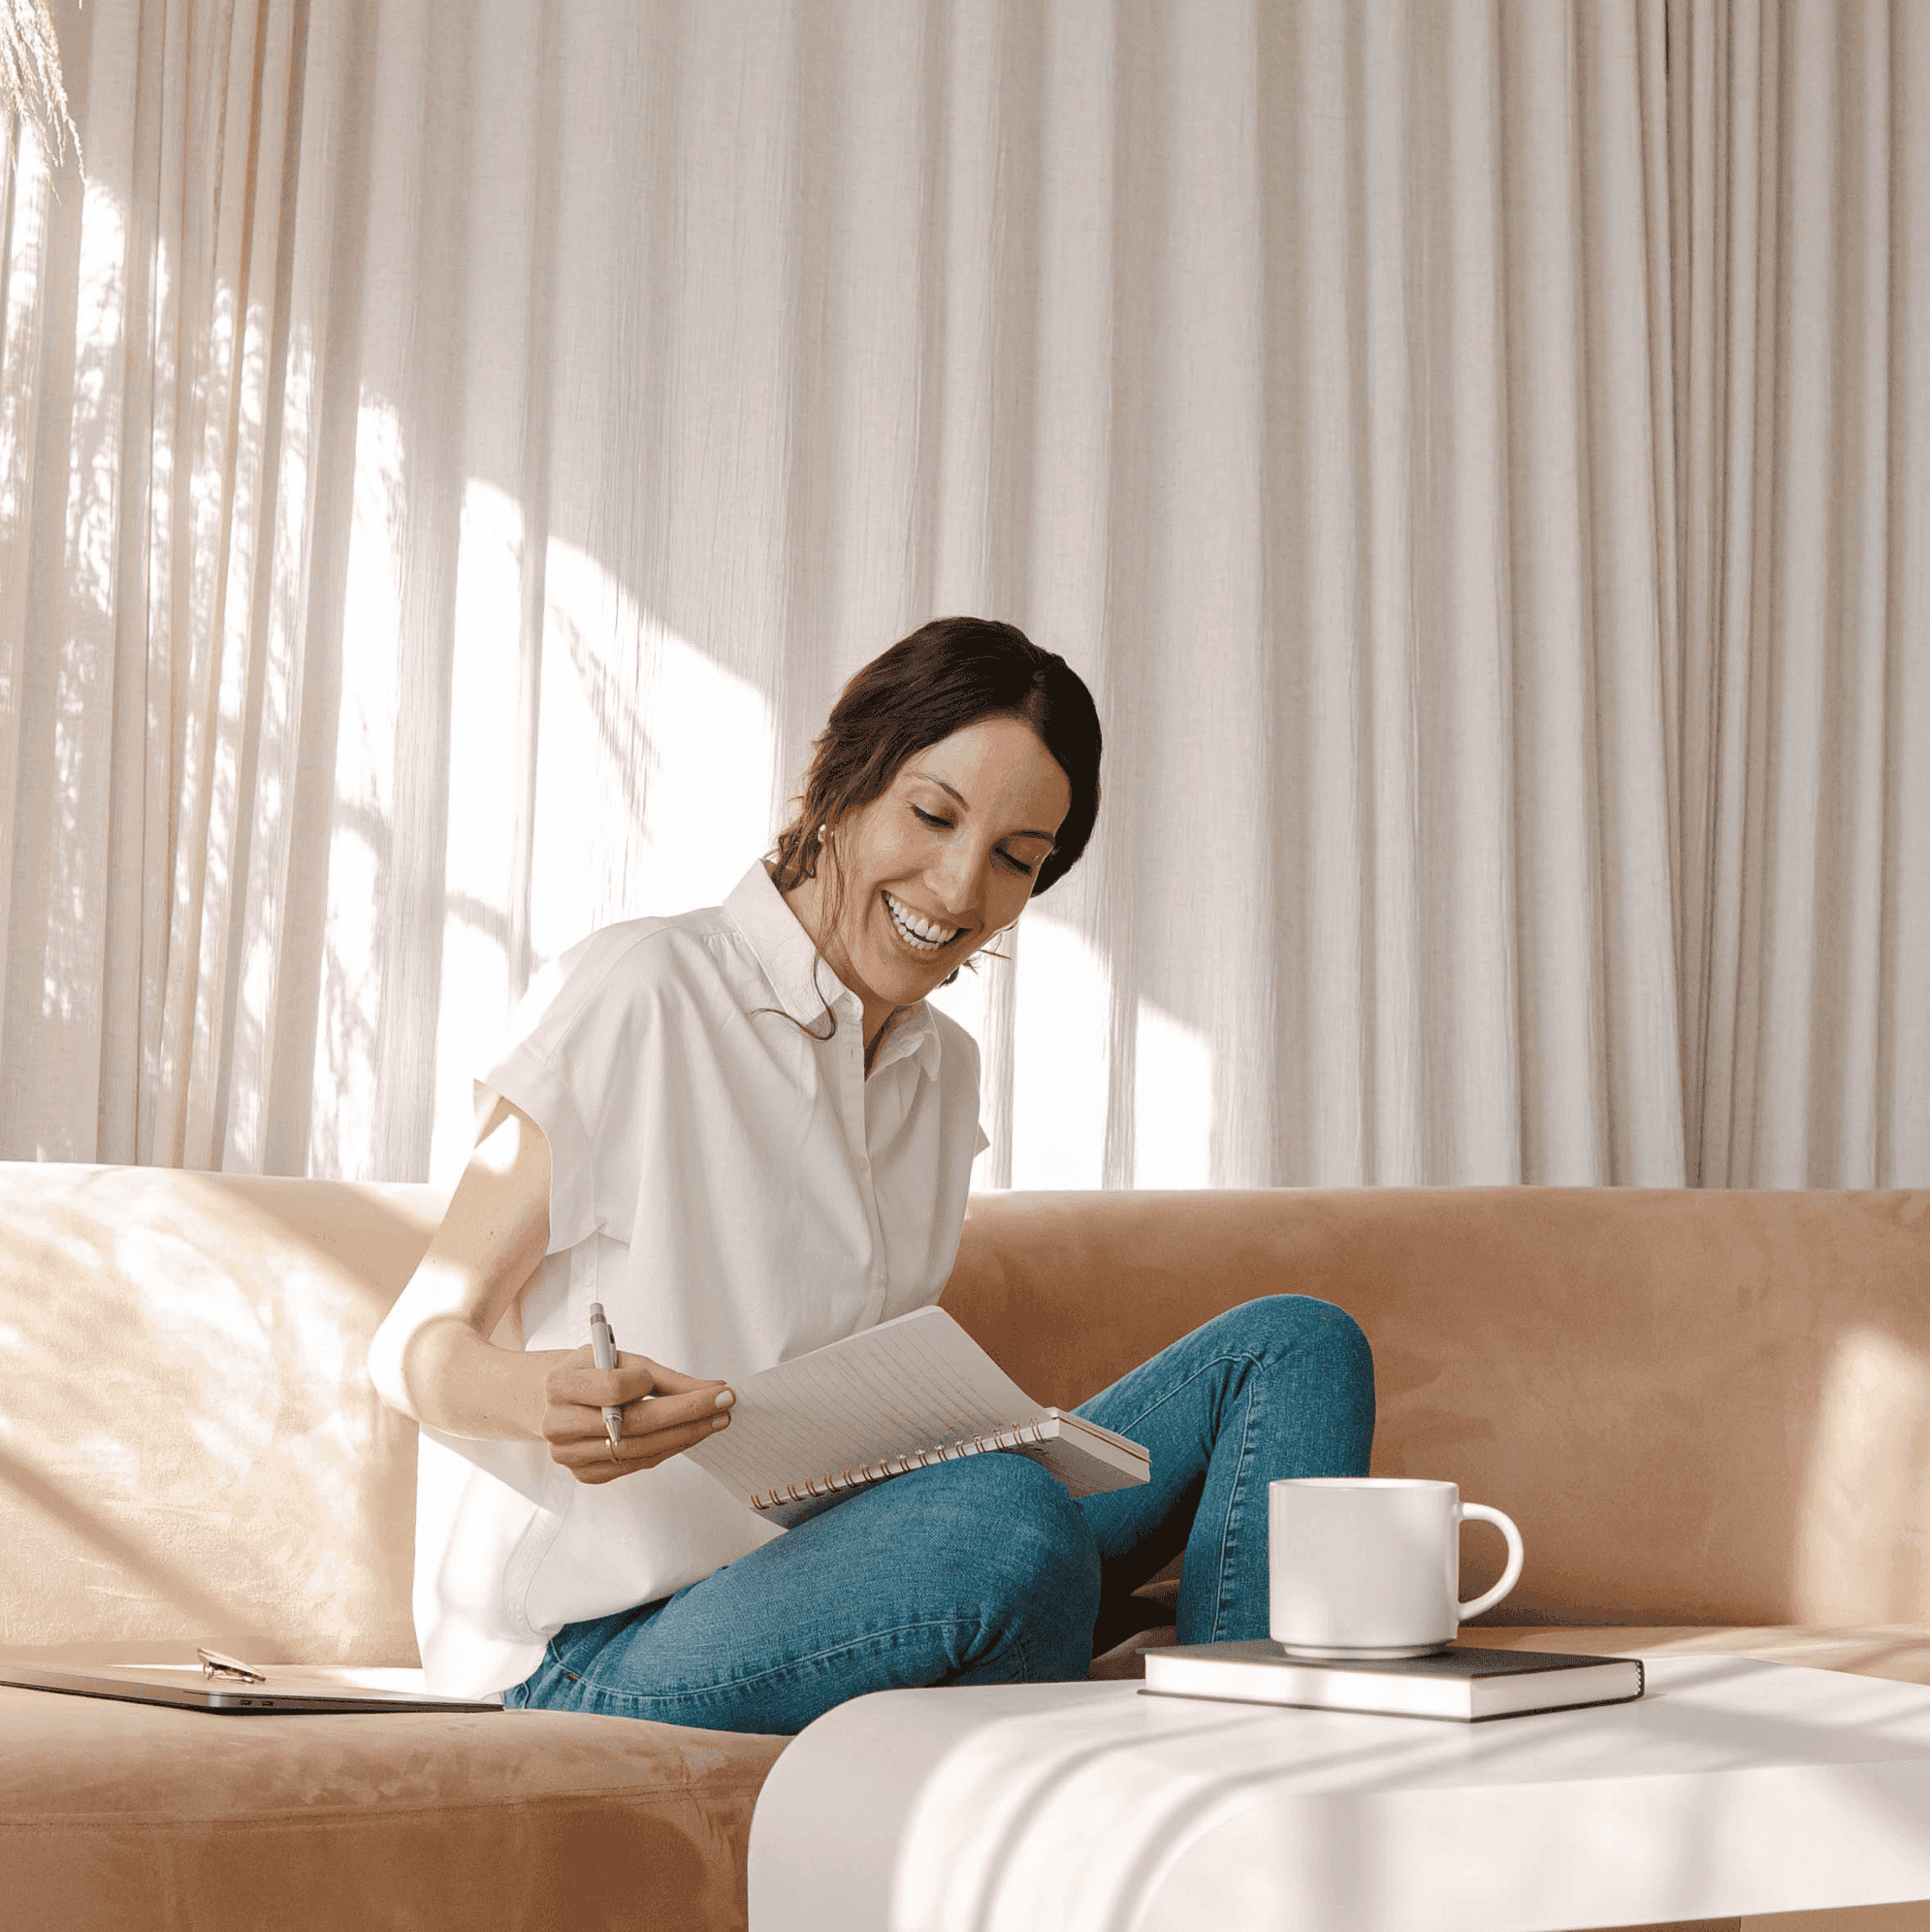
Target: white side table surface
(1734, 1787)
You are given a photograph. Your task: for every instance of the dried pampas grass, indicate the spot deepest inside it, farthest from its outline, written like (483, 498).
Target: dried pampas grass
(30, 76)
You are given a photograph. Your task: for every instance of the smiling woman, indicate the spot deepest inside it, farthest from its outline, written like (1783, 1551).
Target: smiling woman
(958, 867)
(956, 778)
(746, 1133)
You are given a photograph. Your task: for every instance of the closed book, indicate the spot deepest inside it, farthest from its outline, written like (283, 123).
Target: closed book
(910, 1392)
(1460, 1682)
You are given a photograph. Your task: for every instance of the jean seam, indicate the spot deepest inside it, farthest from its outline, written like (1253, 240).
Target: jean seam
(1236, 1501)
(1226, 1357)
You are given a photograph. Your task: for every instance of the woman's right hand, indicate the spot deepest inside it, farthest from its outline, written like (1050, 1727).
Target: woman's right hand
(664, 1412)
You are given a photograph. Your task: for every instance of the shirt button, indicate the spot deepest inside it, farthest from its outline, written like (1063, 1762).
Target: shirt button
(877, 1275)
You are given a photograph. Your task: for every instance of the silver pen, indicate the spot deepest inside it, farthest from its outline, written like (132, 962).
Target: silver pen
(603, 1347)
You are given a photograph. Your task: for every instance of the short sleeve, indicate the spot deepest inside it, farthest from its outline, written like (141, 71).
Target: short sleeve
(570, 1062)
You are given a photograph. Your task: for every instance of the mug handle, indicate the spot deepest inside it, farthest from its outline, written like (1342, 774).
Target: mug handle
(1479, 1512)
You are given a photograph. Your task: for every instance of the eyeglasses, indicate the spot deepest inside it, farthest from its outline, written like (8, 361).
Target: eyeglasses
(214, 1664)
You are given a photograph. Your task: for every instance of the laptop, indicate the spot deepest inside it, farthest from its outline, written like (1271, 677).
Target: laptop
(264, 1690)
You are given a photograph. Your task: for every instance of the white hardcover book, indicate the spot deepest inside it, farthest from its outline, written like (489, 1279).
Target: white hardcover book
(903, 1396)
(1461, 1683)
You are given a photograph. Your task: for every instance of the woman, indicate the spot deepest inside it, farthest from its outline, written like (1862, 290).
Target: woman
(745, 1132)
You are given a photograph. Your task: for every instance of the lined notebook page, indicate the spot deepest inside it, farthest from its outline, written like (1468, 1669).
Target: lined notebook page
(911, 1383)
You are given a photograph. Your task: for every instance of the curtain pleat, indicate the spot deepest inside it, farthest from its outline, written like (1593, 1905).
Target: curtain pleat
(451, 455)
(1798, 204)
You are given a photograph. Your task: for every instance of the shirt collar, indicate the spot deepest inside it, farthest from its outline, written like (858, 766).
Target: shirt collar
(917, 1034)
(804, 984)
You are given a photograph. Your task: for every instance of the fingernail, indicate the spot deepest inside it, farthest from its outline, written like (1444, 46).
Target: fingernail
(725, 1401)
(719, 1421)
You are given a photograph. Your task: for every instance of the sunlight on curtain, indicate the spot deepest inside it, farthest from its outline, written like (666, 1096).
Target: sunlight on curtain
(481, 979)
(100, 322)
(1060, 1053)
(1172, 1086)
(450, 459)
(272, 728)
(21, 306)
(283, 919)
(658, 765)
(226, 504)
(362, 853)
(60, 853)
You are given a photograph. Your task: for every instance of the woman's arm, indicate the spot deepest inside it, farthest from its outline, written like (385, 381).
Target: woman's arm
(433, 1358)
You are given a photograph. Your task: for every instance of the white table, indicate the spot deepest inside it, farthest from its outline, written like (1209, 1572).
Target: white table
(1734, 1787)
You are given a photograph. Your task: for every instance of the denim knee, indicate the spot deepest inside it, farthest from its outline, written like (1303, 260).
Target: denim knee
(1017, 1546)
(1306, 1326)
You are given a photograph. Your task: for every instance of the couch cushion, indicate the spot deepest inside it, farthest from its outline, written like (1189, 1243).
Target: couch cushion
(1700, 1406)
(191, 1451)
(1697, 1404)
(119, 1816)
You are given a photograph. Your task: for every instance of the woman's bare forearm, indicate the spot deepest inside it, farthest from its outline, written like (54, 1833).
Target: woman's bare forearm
(435, 1357)
(449, 1353)
(447, 1377)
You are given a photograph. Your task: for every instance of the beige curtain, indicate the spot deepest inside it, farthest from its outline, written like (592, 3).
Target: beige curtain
(451, 454)
(1797, 686)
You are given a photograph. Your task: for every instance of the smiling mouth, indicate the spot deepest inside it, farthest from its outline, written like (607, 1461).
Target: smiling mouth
(921, 934)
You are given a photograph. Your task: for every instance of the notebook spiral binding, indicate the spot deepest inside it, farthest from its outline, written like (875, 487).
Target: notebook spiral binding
(899, 1466)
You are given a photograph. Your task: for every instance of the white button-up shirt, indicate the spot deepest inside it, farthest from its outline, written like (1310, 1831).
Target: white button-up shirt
(735, 1193)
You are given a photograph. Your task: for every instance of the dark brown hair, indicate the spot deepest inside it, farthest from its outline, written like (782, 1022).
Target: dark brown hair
(947, 674)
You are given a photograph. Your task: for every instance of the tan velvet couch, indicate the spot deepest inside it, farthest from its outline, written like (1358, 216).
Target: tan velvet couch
(1709, 1412)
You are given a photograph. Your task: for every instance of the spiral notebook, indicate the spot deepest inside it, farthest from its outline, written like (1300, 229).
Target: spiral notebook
(903, 1396)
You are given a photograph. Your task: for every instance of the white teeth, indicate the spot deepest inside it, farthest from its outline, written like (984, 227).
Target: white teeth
(916, 931)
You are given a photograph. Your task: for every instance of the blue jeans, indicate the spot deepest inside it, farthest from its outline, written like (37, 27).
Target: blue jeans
(987, 1571)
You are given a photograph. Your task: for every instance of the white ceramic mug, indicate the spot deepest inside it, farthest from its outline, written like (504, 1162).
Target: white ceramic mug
(1369, 1566)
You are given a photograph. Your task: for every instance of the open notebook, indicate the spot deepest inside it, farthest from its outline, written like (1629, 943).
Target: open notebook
(896, 1397)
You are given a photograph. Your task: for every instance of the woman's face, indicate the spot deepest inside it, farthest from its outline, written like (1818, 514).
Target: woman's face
(941, 862)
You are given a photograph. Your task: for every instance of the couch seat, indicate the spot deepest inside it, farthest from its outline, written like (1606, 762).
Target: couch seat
(354, 1820)
(515, 1820)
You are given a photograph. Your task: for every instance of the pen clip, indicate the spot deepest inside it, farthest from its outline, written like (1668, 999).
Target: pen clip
(214, 1664)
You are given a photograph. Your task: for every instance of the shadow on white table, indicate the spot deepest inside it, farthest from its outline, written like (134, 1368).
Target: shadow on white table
(1734, 1788)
